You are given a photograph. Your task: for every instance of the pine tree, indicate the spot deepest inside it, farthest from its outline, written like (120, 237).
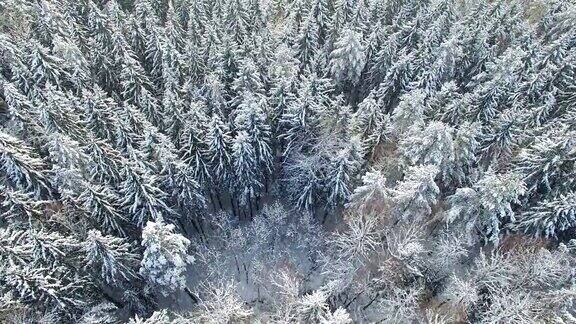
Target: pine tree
(396, 81)
(487, 204)
(409, 113)
(372, 195)
(417, 193)
(73, 60)
(18, 207)
(193, 146)
(372, 124)
(109, 257)
(15, 248)
(550, 217)
(248, 176)
(546, 163)
(165, 257)
(303, 176)
(236, 20)
(500, 140)
(186, 192)
(157, 150)
(104, 162)
(64, 154)
(300, 122)
(490, 96)
(100, 113)
(22, 114)
(218, 151)
(306, 44)
(336, 121)
(50, 249)
(247, 80)
(215, 93)
(283, 77)
(22, 168)
(133, 78)
(44, 67)
(433, 145)
(446, 104)
(105, 52)
(251, 118)
(382, 59)
(57, 113)
(465, 147)
(341, 174)
(102, 207)
(45, 288)
(347, 58)
(142, 198)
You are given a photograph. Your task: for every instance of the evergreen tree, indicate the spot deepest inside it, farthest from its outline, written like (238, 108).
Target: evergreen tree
(142, 198)
(165, 257)
(372, 124)
(22, 113)
(248, 176)
(100, 112)
(300, 121)
(218, 151)
(19, 207)
(500, 140)
(104, 162)
(133, 78)
(247, 80)
(22, 168)
(57, 113)
(44, 67)
(251, 119)
(74, 62)
(307, 42)
(433, 145)
(488, 204)
(341, 174)
(110, 257)
(409, 114)
(186, 192)
(102, 207)
(396, 81)
(45, 288)
(303, 176)
(546, 163)
(417, 193)
(283, 77)
(347, 58)
(465, 146)
(193, 146)
(373, 194)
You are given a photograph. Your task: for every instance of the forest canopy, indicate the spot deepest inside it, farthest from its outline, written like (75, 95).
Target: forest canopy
(287, 161)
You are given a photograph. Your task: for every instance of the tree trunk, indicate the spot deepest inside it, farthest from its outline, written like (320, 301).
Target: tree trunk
(218, 199)
(234, 208)
(192, 295)
(183, 226)
(212, 201)
(250, 206)
(237, 265)
(113, 300)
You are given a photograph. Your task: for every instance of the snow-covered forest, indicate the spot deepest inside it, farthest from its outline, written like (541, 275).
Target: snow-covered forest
(287, 161)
